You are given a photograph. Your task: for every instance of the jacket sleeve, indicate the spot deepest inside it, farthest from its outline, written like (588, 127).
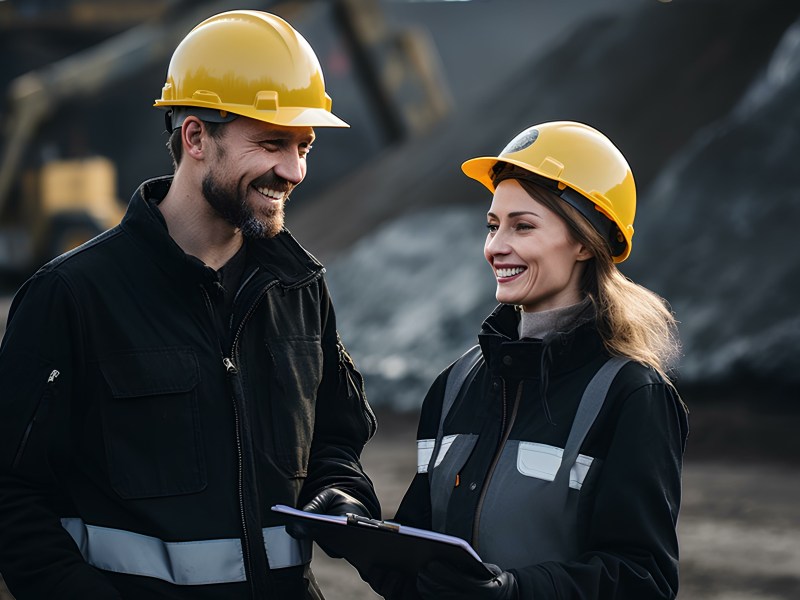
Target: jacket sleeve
(39, 357)
(415, 508)
(343, 424)
(630, 546)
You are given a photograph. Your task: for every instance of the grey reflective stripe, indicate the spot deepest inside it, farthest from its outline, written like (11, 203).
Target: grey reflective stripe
(465, 366)
(441, 480)
(283, 550)
(182, 563)
(594, 396)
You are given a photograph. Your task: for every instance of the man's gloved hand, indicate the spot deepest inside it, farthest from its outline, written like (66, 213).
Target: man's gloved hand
(441, 581)
(330, 501)
(333, 501)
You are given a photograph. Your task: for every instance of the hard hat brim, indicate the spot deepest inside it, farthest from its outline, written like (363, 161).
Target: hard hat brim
(288, 116)
(480, 169)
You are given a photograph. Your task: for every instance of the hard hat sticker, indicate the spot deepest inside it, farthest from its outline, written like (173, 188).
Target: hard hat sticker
(522, 141)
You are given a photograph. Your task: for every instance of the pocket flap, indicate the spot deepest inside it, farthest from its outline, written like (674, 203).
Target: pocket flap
(150, 372)
(542, 462)
(538, 460)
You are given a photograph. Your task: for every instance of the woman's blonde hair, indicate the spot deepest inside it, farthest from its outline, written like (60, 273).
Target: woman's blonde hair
(633, 321)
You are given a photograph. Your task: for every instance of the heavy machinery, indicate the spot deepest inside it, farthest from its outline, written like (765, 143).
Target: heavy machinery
(61, 205)
(79, 132)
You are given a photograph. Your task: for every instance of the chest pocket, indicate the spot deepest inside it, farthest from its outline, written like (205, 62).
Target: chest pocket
(151, 423)
(293, 398)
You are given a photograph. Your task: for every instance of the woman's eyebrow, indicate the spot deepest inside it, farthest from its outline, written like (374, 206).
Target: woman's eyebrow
(517, 213)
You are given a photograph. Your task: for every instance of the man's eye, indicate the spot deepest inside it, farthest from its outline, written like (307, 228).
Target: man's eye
(304, 150)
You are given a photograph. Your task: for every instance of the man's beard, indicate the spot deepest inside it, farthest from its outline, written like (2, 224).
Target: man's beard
(232, 206)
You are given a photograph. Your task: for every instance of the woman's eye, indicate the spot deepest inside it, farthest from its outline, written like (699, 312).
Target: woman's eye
(491, 227)
(304, 150)
(524, 226)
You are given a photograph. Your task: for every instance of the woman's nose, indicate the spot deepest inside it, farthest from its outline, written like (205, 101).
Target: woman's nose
(496, 246)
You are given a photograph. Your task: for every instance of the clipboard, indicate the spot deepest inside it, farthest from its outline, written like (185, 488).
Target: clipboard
(365, 542)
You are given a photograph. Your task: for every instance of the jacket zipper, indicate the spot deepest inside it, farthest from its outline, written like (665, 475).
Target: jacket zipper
(346, 361)
(230, 367)
(51, 379)
(232, 371)
(505, 433)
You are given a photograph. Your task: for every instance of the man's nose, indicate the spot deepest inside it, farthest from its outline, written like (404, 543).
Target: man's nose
(291, 167)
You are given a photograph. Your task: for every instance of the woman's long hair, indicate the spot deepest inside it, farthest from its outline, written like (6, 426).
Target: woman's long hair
(633, 321)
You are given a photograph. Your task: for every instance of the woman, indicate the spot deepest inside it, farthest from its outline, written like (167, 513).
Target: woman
(517, 406)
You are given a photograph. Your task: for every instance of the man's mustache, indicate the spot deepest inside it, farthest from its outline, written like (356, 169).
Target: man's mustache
(274, 182)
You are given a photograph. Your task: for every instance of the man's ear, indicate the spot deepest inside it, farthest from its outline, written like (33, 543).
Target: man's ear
(192, 137)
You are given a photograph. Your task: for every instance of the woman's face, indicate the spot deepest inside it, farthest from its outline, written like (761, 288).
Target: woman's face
(536, 262)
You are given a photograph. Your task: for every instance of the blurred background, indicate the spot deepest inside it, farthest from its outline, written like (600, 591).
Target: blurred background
(702, 96)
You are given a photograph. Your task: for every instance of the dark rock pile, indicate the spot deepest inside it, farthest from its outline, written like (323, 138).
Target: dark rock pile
(702, 98)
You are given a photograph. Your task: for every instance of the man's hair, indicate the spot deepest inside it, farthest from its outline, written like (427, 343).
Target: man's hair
(175, 146)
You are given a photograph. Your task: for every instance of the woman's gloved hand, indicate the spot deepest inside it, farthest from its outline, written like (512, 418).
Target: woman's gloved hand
(391, 584)
(441, 581)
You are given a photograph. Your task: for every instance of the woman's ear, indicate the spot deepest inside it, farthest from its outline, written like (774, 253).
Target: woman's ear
(584, 253)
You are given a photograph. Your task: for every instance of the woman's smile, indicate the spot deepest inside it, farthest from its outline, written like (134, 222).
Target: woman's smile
(507, 274)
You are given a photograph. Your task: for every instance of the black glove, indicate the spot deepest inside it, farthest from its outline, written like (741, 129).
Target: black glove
(441, 581)
(330, 501)
(333, 501)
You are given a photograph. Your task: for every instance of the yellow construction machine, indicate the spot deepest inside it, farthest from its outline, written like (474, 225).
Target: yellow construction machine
(56, 193)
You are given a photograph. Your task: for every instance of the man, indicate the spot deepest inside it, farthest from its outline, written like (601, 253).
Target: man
(166, 384)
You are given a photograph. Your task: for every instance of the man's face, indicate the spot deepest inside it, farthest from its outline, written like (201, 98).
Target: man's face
(252, 168)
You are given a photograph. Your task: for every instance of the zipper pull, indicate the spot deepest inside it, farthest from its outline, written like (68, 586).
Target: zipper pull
(55, 373)
(229, 366)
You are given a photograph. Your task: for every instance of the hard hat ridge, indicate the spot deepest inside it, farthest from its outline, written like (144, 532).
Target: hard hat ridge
(249, 63)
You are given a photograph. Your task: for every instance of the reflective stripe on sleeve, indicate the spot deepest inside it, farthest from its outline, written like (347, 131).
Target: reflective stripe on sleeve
(425, 451)
(283, 550)
(182, 563)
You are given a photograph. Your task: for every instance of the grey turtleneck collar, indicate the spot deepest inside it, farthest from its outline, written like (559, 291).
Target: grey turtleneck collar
(537, 325)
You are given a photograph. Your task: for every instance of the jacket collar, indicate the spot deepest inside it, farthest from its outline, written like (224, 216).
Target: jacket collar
(280, 257)
(509, 357)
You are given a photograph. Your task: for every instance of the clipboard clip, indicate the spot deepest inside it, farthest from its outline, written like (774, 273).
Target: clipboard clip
(354, 519)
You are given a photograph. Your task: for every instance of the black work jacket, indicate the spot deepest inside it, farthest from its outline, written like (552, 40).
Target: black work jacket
(122, 406)
(629, 500)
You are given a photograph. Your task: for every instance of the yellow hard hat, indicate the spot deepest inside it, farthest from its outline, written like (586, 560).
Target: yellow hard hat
(249, 63)
(573, 157)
